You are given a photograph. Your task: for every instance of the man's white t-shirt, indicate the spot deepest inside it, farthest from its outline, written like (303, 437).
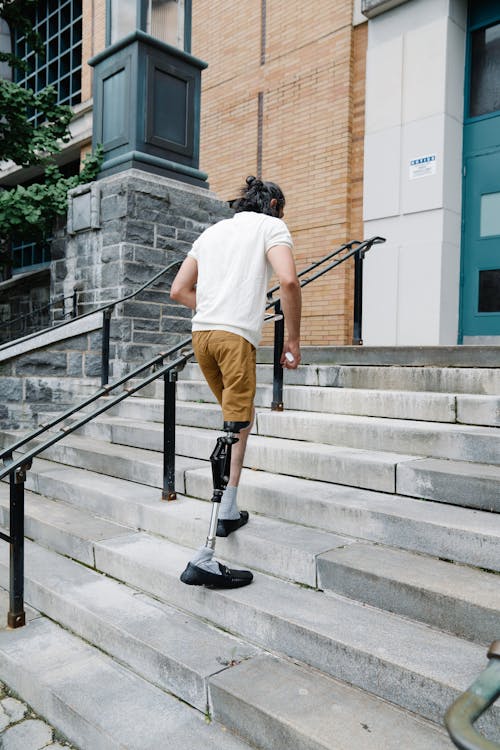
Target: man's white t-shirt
(234, 273)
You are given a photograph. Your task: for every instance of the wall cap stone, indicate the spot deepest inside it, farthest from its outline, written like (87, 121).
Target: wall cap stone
(69, 331)
(372, 8)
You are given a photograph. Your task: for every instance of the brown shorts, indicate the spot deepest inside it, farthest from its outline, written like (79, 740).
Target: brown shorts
(228, 363)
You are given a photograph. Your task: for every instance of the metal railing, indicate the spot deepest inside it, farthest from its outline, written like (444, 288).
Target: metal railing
(18, 325)
(467, 709)
(17, 467)
(107, 312)
(354, 249)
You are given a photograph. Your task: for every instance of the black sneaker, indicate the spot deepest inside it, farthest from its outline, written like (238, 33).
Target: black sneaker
(225, 526)
(226, 579)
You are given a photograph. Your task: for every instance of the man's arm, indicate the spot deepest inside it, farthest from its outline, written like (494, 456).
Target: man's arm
(283, 263)
(183, 288)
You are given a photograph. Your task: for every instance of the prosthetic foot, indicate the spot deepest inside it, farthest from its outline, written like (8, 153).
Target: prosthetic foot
(220, 576)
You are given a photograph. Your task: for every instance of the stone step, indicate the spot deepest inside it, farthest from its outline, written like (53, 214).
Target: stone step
(468, 536)
(456, 598)
(273, 704)
(168, 648)
(466, 380)
(97, 703)
(361, 468)
(457, 442)
(472, 409)
(278, 705)
(470, 485)
(434, 407)
(277, 547)
(408, 356)
(459, 534)
(410, 664)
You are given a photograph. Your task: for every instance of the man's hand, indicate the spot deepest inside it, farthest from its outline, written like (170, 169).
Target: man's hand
(290, 358)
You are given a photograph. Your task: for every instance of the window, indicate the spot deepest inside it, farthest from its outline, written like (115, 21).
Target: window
(163, 19)
(60, 27)
(485, 71)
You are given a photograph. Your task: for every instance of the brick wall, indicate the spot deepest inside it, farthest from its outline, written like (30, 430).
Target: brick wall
(310, 138)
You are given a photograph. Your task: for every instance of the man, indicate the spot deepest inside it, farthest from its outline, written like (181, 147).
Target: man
(224, 278)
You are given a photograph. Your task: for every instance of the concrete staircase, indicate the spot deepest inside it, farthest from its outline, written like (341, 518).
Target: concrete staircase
(374, 535)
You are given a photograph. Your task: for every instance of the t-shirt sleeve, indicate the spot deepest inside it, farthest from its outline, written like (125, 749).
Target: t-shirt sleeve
(195, 249)
(277, 234)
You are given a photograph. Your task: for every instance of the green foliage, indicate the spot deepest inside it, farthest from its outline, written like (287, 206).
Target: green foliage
(20, 140)
(30, 212)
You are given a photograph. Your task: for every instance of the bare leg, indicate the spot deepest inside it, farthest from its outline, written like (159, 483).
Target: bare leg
(238, 454)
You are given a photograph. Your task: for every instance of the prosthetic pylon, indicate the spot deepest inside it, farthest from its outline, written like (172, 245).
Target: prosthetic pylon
(221, 467)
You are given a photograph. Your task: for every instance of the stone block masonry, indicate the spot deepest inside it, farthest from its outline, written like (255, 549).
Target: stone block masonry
(139, 224)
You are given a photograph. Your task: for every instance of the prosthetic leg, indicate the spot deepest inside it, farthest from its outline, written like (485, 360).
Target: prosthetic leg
(221, 465)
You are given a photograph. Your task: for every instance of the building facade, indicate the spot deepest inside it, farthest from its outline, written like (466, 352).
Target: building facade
(431, 182)
(377, 117)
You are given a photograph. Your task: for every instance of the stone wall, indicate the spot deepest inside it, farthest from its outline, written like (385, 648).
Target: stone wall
(122, 230)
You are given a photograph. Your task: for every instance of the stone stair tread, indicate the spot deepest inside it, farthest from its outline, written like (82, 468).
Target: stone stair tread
(96, 702)
(165, 646)
(456, 598)
(364, 402)
(467, 535)
(460, 482)
(382, 652)
(439, 440)
(467, 380)
(448, 531)
(283, 705)
(285, 549)
(373, 469)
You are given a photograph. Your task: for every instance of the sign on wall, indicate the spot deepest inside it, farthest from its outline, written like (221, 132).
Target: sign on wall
(423, 166)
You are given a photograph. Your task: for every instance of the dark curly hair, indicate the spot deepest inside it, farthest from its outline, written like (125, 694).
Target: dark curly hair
(257, 195)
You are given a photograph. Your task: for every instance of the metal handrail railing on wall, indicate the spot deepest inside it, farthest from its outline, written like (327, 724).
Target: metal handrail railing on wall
(107, 311)
(355, 249)
(17, 468)
(9, 322)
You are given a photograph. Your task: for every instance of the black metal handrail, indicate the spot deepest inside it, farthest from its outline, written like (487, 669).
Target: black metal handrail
(355, 248)
(16, 468)
(483, 692)
(107, 311)
(11, 321)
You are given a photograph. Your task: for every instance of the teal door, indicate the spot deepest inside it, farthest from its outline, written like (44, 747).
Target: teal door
(481, 246)
(480, 254)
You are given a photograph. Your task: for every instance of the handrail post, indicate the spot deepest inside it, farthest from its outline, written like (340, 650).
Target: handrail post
(169, 394)
(358, 297)
(16, 617)
(279, 340)
(74, 309)
(106, 327)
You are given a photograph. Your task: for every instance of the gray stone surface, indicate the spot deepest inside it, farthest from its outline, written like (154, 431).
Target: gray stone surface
(96, 702)
(31, 734)
(463, 483)
(402, 661)
(20, 727)
(166, 647)
(451, 597)
(275, 704)
(458, 442)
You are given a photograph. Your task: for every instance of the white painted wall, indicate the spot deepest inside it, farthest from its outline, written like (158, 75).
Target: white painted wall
(414, 108)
